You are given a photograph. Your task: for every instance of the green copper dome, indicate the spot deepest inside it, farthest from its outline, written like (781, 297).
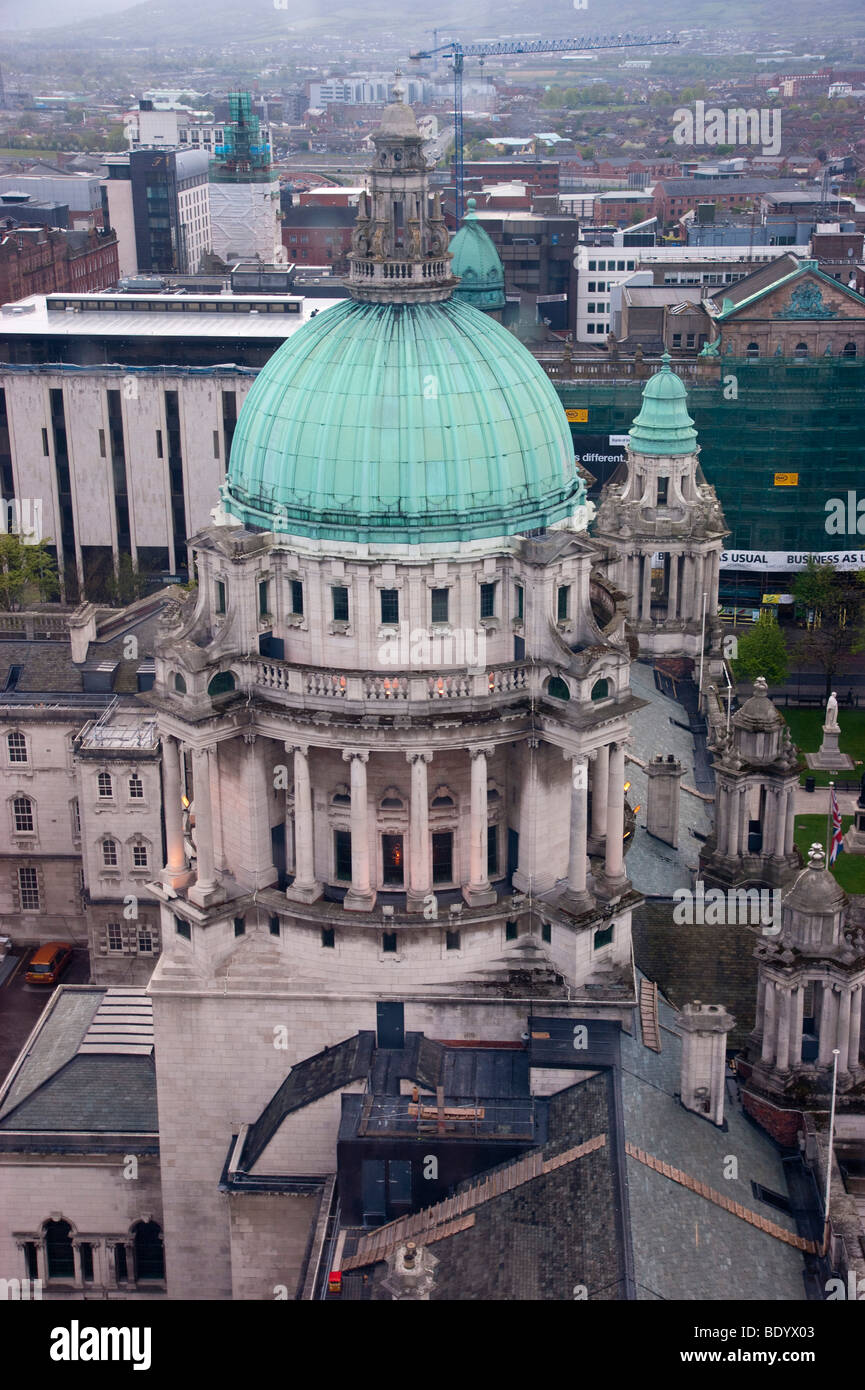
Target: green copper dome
(402, 422)
(663, 425)
(476, 262)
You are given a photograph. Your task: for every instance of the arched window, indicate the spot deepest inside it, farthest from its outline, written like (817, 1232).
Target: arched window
(801, 352)
(17, 746)
(136, 788)
(147, 1251)
(139, 854)
(179, 684)
(109, 853)
(392, 800)
(849, 350)
(752, 350)
(22, 814)
(222, 682)
(442, 800)
(558, 689)
(601, 690)
(59, 1256)
(104, 784)
(341, 796)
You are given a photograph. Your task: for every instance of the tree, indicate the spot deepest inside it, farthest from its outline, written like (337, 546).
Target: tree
(23, 569)
(762, 652)
(128, 585)
(834, 607)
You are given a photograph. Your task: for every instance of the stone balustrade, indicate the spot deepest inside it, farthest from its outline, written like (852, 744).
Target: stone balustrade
(312, 686)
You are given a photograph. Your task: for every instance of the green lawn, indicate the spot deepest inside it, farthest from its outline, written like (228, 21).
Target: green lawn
(849, 869)
(806, 730)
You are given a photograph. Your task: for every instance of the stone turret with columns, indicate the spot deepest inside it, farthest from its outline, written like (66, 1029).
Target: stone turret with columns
(756, 775)
(664, 526)
(810, 994)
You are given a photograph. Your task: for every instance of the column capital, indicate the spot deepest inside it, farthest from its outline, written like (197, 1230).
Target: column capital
(570, 756)
(362, 754)
(533, 741)
(249, 736)
(302, 748)
(415, 756)
(475, 750)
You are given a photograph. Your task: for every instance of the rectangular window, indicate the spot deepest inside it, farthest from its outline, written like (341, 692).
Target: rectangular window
(340, 603)
(328, 938)
(45, 443)
(663, 484)
(488, 600)
(546, 932)
(593, 265)
(510, 931)
(28, 887)
(216, 444)
(139, 856)
(182, 928)
(443, 856)
(102, 444)
(390, 606)
(120, 1268)
(689, 340)
(23, 812)
(145, 941)
(274, 926)
(603, 937)
(342, 854)
(439, 600)
(452, 941)
(297, 597)
(220, 596)
(76, 819)
(590, 328)
(562, 600)
(85, 1253)
(159, 444)
(240, 926)
(115, 936)
(263, 606)
(388, 942)
(519, 599)
(393, 867)
(492, 851)
(677, 340)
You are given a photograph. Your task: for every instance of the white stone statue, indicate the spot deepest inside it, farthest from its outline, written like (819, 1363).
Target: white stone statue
(832, 711)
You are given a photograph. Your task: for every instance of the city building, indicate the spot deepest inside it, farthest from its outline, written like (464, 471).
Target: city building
(244, 190)
(673, 197)
(158, 200)
(37, 260)
(80, 193)
(119, 411)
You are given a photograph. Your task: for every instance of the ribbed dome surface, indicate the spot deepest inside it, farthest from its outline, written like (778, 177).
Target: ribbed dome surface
(663, 425)
(476, 261)
(405, 423)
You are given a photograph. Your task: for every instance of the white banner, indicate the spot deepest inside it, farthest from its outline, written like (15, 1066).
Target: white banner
(791, 559)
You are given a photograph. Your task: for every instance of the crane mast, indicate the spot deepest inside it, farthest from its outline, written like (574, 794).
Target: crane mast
(458, 52)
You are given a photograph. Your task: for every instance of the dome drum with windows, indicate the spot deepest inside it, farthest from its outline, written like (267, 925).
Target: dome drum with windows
(402, 415)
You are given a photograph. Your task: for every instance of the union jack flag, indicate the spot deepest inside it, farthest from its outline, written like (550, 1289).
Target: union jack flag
(837, 845)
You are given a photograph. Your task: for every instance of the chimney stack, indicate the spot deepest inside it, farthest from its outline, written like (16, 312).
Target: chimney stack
(704, 1028)
(662, 815)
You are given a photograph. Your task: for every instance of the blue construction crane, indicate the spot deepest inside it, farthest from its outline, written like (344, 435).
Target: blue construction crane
(458, 52)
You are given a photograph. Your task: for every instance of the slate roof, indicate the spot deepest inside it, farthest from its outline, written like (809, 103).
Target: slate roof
(309, 1080)
(56, 1088)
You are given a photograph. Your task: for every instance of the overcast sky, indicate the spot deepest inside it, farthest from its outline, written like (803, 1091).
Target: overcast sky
(40, 14)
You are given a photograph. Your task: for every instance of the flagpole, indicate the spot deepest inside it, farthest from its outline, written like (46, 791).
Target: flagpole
(826, 1199)
(829, 823)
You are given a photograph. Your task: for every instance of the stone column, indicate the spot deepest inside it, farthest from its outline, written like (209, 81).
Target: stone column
(673, 589)
(634, 587)
(722, 807)
(646, 594)
(782, 1057)
(175, 866)
(577, 852)
(699, 586)
(780, 822)
(767, 1052)
(843, 1030)
(615, 859)
(360, 896)
(743, 820)
(256, 868)
(796, 1030)
(420, 862)
(855, 1028)
(788, 822)
(732, 822)
(205, 889)
(305, 888)
(687, 606)
(827, 1025)
(600, 783)
(478, 892)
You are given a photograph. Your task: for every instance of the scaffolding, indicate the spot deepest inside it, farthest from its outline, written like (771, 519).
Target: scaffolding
(245, 151)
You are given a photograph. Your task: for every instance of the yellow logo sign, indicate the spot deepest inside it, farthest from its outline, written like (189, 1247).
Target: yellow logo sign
(578, 417)
(786, 479)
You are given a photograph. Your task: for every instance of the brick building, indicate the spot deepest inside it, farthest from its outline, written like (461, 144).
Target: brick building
(673, 197)
(316, 235)
(40, 260)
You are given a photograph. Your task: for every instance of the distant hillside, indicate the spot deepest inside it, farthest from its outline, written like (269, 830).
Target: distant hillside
(156, 22)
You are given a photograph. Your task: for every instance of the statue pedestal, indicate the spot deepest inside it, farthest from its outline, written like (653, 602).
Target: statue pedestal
(829, 756)
(854, 840)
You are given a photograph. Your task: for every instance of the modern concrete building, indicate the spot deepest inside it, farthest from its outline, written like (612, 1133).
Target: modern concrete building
(164, 194)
